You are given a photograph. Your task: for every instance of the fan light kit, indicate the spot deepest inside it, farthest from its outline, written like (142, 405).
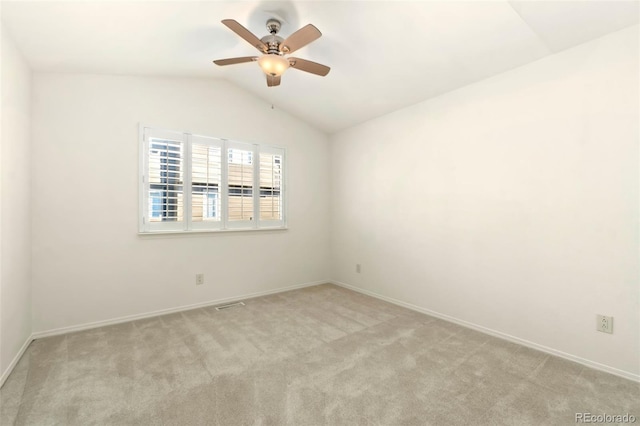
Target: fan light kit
(274, 48)
(273, 65)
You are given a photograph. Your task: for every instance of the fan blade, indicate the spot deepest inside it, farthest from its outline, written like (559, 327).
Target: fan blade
(300, 38)
(308, 66)
(245, 34)
(232, 61)
(273, 81)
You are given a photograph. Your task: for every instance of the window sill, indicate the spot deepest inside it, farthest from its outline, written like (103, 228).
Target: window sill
(210, 231)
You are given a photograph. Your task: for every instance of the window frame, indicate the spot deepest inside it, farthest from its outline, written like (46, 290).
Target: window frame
(188, 225)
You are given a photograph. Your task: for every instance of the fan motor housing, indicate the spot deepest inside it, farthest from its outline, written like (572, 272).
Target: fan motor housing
(273, 43)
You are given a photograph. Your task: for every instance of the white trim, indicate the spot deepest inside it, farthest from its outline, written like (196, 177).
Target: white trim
(256, 187)
(142, 178)
(128, 318)
(495, 333)
(16, 359)
(285, 187)
(224, 185)
(513, 339)
(187, 201)
(211, 231)
(96, 324)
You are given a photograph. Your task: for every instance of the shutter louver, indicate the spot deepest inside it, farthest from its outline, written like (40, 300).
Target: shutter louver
(270, 186)
(240, 184)
(166, 184)
(206, 182)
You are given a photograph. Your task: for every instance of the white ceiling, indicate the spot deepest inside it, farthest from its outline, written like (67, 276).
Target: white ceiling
(384, 55)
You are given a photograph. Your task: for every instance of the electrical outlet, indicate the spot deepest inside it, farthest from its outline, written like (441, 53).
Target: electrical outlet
(199, 279)
(357, 267)
(604, 324)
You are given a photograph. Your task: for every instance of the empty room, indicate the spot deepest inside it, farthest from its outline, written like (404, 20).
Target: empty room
(319, 212)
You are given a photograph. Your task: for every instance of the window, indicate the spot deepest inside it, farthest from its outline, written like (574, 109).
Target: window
(192, 183)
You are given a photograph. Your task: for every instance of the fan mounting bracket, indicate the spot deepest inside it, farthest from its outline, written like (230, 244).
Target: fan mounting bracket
(273, 25)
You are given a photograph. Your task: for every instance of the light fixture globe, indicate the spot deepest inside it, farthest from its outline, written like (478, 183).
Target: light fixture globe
(273, 64)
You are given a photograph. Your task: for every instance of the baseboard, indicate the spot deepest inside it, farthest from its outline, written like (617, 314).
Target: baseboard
(16, 359)
(495, 333)
(96, 324)
(127, 318)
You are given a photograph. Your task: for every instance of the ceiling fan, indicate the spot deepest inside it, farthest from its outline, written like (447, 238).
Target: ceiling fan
(274, 48)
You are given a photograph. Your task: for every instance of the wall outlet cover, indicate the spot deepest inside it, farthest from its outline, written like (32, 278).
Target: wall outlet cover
(199, 279)
(604, 323)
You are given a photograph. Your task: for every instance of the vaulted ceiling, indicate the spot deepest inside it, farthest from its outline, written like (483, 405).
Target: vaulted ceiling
(384, 55)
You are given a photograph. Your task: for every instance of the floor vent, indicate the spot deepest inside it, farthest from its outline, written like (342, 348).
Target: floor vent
(230, 305)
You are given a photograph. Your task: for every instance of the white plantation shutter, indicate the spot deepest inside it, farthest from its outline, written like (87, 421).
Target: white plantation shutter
(271, 179)
(206, 182)
(240, 185)
(199, 183)
(163, 180)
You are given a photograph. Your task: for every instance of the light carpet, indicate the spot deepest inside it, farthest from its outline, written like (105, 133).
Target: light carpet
(321, 355)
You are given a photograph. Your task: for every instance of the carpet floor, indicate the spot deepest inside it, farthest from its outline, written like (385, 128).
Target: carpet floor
(321, 355)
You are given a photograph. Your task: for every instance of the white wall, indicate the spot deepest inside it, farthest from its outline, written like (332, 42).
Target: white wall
(511, 203)
(15, 223)
(89, 263)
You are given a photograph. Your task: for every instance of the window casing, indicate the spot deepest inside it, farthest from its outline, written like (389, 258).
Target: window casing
(198, 183)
